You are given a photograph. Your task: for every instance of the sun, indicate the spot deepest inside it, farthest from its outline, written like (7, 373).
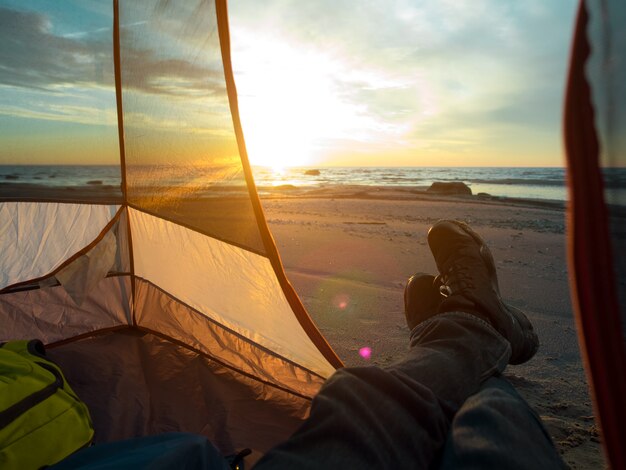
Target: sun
(288, 102)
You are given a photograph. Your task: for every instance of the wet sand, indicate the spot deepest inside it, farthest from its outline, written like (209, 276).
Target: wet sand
(349, 251)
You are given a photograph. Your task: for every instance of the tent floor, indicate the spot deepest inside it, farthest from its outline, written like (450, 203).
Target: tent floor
(138, 384)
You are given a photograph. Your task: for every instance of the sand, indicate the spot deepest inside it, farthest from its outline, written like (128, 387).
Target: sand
(348, 252)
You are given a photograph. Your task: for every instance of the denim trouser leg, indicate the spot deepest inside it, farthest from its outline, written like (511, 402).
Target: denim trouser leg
(496, 428)
(398, 417)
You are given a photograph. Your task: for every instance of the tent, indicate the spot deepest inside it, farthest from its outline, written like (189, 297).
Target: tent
(163, 299)
(595, 143)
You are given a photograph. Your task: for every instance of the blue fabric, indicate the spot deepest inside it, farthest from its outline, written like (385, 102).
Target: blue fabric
(171, 451)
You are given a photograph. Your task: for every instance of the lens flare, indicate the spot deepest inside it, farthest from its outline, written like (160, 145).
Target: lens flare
(365, 353)
(341, 301)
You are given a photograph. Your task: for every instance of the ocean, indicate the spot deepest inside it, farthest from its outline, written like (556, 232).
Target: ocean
(535, 183)
(532, 183)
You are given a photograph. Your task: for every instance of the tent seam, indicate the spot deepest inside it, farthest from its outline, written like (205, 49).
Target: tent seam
(229, 330)
(93, 202)
(114, 329)
(214, 359)
(197, 230)
(35, 287)
(117, 63)
(72, 258)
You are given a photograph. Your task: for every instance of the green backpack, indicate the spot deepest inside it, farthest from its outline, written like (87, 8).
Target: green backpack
(42, 421)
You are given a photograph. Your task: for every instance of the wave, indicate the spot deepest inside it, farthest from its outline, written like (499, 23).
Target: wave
(519, 181)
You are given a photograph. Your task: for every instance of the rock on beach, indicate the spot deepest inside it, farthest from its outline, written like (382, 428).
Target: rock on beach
(451, 188)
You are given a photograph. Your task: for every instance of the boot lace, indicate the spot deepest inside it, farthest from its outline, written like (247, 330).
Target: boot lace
(457, 278)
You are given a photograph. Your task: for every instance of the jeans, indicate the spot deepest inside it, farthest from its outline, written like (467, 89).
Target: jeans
(443, 406)
(495, 428)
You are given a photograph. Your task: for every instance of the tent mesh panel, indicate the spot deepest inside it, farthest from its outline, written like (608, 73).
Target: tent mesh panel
(182, 160)
(57, 103)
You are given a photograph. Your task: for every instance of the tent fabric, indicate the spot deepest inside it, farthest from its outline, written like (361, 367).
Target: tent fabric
(270, 247)
(185, 168)
(163, 298)
(606, 73)
(50, 314)
(594, 136)
(36, 238)
(222, 281)
(174, 388)
(183, 324)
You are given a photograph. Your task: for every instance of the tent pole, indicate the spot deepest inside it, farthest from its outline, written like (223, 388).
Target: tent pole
(268, 241)
(120, 130)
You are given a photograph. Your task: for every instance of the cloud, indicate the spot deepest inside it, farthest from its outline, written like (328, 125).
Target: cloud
(148, 123)
(64, 113)
(83, 34)
(443, 73)
(32, 56)
(143, 71)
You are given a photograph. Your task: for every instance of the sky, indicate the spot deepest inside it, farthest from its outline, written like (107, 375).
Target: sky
(330, 82)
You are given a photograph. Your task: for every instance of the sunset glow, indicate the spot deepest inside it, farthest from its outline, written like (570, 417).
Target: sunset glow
(290, 103)
(401, 83)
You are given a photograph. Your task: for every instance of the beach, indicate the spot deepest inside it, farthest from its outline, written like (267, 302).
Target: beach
(349, 250)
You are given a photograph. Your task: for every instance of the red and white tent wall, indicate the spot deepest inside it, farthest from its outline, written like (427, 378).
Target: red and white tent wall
(595, 139)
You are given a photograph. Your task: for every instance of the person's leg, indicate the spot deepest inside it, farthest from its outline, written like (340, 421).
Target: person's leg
(399, 417)
(496, 428)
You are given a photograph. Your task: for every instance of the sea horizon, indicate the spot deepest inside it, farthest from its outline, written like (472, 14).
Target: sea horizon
(544, 183)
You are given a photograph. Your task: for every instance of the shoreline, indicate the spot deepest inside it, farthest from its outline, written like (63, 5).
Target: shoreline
(106, 193)
(397, 193)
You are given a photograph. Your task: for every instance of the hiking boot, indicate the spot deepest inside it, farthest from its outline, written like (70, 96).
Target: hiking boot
(469, 284)
(421, 299)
